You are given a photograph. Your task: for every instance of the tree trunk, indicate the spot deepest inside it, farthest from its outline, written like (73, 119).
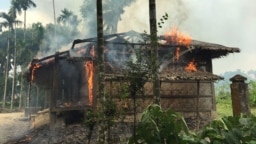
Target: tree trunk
(101, 72)
(21, 79)
(28, 95)
(37, 96)
(14, 69)
(54, 16)
(6, 71)
(154, 51)
(21, 95)
(25, 26)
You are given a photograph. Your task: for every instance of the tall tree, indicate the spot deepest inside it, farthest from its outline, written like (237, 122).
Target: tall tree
(101, 81)
(6, 71)
(112, 14)
(15, 8)
(154, 51)
(9, 22)
(18, 5)
(112, 11)
(65, 16)
(14, 68)
(54, 17)
(69, 21)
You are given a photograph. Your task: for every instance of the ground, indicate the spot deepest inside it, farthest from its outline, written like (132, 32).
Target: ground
(17, 129)
(13, 126)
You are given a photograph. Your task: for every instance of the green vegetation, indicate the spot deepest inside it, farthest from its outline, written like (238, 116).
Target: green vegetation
(158, 126)
(224, 107)
(155, 125)
(37, 40)
(230, 130)
(21, 45)
(224, 102)
(165, 127)
(252, 92)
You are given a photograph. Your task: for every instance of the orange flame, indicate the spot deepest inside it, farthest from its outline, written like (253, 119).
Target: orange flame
(191, 67)
(174, 36)
(89, 67)
(34, 67)
(89, 74)
(177, 53)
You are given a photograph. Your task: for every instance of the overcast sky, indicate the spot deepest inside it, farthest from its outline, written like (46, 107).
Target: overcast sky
(227, 22)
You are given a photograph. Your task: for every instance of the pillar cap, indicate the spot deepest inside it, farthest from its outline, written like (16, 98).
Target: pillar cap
(238, 78)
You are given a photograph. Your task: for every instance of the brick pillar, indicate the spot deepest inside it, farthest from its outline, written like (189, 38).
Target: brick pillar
(239, 94)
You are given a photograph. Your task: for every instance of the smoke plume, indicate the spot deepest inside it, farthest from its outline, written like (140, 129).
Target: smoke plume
(230, 23)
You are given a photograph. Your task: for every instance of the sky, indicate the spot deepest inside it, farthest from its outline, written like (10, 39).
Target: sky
(231, 23)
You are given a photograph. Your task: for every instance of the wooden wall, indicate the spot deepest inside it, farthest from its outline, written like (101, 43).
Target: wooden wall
(195, 100)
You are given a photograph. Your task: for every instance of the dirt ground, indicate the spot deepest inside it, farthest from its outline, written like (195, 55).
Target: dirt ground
(13, 126)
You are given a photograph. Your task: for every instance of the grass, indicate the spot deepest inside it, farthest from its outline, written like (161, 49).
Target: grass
(224, 107)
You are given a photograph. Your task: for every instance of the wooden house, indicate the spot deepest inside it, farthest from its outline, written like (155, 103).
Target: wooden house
(185, 72)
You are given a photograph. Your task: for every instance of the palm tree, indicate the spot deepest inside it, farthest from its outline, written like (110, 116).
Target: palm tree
(15, 8)
(14, 68)
(65, 16)
(154, 51)
(68, 18)
(69, 21)
(112, 14)
(6, 72)
(53, 5)
(18, 5)
(9, 22)
(113, 9)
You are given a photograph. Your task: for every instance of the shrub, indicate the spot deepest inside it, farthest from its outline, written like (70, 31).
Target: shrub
(165, 127)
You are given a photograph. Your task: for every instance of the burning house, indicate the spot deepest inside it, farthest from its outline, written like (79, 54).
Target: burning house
(186, 74)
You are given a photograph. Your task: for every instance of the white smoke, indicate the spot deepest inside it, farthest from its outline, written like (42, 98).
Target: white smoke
(136, 17)
(44, 13)
(229, 23)
(44, 10)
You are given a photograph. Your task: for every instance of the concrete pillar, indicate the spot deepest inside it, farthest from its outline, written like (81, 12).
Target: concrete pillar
(239, 94)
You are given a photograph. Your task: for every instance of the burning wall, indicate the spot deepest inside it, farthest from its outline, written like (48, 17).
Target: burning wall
(64, 77)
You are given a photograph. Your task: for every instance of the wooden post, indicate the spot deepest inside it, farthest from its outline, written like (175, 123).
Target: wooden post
(94, 100)
(197, 105)
(45, 98)
(37, 96)
(54, 92)
(28, 100)
(239, 94)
